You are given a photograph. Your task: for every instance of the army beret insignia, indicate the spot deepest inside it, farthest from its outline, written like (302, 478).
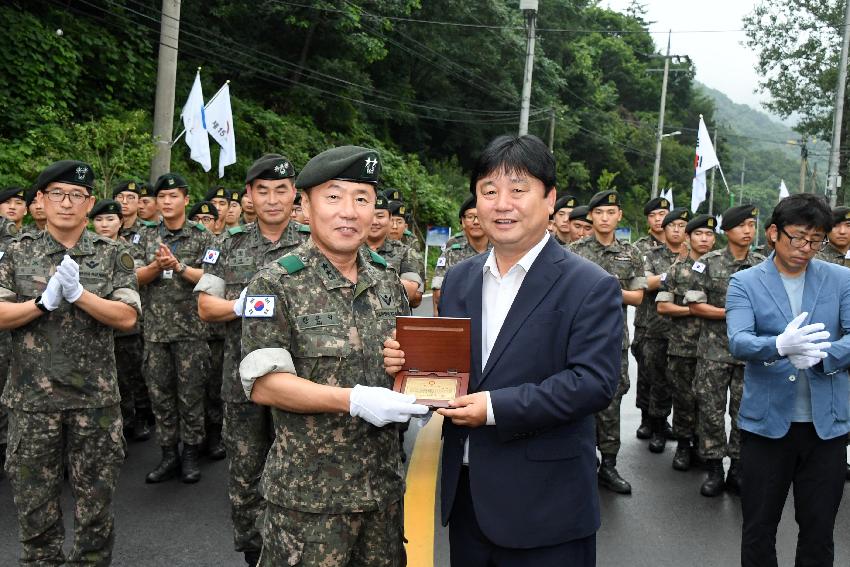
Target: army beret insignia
(604, 199)
(106, 207)
(396, 208)
(13, 193)
(202, 208)
(169, 181)
(680, 213)
(66, 171)
(612, 198)
(710, 222)
(565, 202)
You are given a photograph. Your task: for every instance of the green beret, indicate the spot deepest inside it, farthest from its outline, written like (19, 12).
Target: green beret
(679, 213)
(581, 213)
(655, 204)
(30, 196)
(202, 208)
(604, 199)
(169, 181)
(346, 163)
(381, 202)
(840, 214)
(66, 171)
(106, 207)
(565, 202)
(397, 209)
(270, 166)
(217, 192)
(733, 216)
(145, 190)
(701, 221)
(469, 203)
(11, 192)
(129, 186)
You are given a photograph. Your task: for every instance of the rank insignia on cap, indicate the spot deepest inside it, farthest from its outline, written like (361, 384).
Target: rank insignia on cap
(664, 204)
(755, 212)
(370, 164)
(282, 168)
(401, 210)
(847, 215)
(259, 306)
(211, 256)
(205, 208)
(612, 198)
(81, 172)
(171, 181)
(131, 186)
(710, 223)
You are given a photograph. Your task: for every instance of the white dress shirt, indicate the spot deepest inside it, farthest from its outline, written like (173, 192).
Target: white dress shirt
(497, 295)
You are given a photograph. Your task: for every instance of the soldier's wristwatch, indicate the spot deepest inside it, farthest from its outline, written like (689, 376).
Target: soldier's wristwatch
(40, 305)
(180, 268)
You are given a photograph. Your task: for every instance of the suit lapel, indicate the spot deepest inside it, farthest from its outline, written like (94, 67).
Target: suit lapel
(811, 290)
(773, 283)
(472, 297)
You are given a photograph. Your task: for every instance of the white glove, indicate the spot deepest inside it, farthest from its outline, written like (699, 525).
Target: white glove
(69, 274)
(52, 295)
(802, 340)
(380, 406)
(239, 305)
(804, 362)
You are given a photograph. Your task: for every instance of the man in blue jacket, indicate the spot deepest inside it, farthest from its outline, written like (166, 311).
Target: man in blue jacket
(794, 411)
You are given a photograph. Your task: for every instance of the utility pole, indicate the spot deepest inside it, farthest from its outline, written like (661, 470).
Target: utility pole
(743, 171)
(166, 76)
(713, 172)
(552, 130)
(660, 134)
(529, 9)
(804, 158)
(833, 179)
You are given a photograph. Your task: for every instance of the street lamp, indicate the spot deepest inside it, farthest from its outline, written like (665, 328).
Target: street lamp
(676, 133)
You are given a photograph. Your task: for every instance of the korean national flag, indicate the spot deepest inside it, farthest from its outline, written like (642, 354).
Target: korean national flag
(259, 306)
(211, 256)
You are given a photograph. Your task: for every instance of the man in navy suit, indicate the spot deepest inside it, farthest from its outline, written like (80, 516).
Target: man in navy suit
(519, 460)
(794, 411)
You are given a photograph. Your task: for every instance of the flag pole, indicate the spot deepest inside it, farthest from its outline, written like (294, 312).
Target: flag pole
(723, 177)
(183, 131)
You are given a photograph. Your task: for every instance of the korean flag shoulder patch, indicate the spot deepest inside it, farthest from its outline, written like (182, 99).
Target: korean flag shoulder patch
(259, 306)
(441, 262)
(211, 256)
(136, 238)
(698, 267)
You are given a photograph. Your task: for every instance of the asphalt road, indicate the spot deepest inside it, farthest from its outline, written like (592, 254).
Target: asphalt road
(665, 522)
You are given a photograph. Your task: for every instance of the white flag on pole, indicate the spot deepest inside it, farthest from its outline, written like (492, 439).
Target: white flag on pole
(783, 190)
(193, 121)
(719, 230)
(668, 194)
(698, 192)
(219, 119)
(705, 159)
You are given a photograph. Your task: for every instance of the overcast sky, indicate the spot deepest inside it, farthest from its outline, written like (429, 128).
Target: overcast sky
(722, 62)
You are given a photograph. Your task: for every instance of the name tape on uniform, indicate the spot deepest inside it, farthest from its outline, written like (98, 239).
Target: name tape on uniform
(698, 267)
(259, 306)
(211, 256)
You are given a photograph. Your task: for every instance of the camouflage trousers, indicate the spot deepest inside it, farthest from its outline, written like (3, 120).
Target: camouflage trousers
(129, 357)
(680, 375)
(213, 406)
(654, 352)
(5, 363)
(248, 436)
(39, 444)
(642, 391)
(608, 420)
(175, 374)
(712, 381)
(373, 539)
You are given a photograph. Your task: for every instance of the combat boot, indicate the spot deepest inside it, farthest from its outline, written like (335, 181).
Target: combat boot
(252, 557)
(682, 457)
(645, 430)
(141, 429)
(713, 484)
(191, 469)
(167, 468)
(215, 446)
(659, 439)
(668, 431)
(733, 477)
(610, 478)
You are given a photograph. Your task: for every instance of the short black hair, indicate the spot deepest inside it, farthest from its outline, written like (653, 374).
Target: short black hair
(805, 209)
(516, 154)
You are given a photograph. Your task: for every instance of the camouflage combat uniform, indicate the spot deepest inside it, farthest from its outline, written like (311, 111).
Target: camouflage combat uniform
(642, 389)
(404, 259)
(830, 253)
(8, 232)
(623, 261)
(63, 396)
(248, 432)
(457, 250)
(409, 239)
(683, 336)
(333, 483)
(177, 357)
(717, 371)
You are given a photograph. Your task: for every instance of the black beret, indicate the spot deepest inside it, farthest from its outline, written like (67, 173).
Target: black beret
(840, 214)
(11, 192)
(203, 208)
(567, 201)
(393, 195)
(270, 166)
(679, 213)
(381, 202)
(169, 181)
(30, 196)
(297, 200)
(655, 204)
(581, 213)
(129, 186)
(469, 203)
(66, 171)
(604, 199)
(733, 216)
(218, 192)
(106, 207)
(234, 196)
(701, 221)
(145, 190)
(346, 163)
(397, 209)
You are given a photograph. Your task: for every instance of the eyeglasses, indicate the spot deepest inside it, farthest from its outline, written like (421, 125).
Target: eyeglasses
(205, 218)
(76, 197)
(470, 218)
(125, 197)
(800, 242)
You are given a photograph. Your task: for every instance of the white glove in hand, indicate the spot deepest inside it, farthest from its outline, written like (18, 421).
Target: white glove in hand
(380, 406)
(52, 295)
(808, 340)
(69, 274)
(804, 362)
(239, 306)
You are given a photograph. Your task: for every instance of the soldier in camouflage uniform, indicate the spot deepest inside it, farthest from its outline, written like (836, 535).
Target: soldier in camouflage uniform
(298, 212)
(62, 292)
(625, 262)
(233, 218)
(36, 211)
(148, 210)
(406, 261)
(561, 219)
(312, 338)
(717, 371)
(837, 249)
(654, 348)
(8, 233)
(683, 335)
(655, 210)
(471, 242)
(581, 224)
(219, 197)
(177, 358)
(13, 205)
(401, 220)
(248, 431)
